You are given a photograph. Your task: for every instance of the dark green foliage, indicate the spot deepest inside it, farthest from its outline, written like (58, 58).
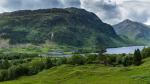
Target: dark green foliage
(119, 59)
(90, 59)
(4, 64)
(146, 52)
(18, 66)
(76, 60)
(3, 75)
(18, 61)
(13, 72)
(10, 56)
(62, 60)
(82, 51)
(16, 71)
(137, 58)
(70, 26)
(127, 61)
(9, 59)
(111, 60)
(54, 61)
(37, 67)
(48, 63)
(102, 59)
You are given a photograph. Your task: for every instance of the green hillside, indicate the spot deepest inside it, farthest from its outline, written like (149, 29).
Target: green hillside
(70, 26)
(90, 74)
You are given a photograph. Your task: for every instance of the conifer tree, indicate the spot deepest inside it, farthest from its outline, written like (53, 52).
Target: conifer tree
(137, 58)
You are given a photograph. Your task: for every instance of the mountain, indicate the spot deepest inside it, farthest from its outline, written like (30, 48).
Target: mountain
(69, 26)
(133, 31)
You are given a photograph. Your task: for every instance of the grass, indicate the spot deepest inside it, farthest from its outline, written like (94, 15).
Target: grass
(29, 48)
(89, 74)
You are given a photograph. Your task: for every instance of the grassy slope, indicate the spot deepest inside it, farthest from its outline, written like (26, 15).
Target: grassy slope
(89, 74)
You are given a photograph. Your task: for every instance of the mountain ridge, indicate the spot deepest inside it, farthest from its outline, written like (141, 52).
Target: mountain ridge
(133, 31)
(69, 26)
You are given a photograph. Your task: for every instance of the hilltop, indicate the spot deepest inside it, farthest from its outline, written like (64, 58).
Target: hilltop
(135, 32)
(69, 26)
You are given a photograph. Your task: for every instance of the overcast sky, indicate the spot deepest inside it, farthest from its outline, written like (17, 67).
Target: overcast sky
(110, 11)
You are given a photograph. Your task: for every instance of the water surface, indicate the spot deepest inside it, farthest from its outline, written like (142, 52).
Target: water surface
(125, 50)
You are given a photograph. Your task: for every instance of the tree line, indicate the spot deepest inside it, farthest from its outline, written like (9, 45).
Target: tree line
(28, 65)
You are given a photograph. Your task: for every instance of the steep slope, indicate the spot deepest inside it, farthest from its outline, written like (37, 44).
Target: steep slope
(70, 26)
(133, 31)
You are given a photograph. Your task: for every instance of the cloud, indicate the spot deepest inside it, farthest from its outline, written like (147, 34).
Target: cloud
(110, 11)
(70, 3)
(30, 4)
(107, 11)
(12, 5)
(114, 11)
(136, 10)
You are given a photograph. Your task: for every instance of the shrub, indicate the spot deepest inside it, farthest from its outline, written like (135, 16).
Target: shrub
(62, 60)
(48, 63)
(4, 64)
(12, 56)
(18, 61)
(102, 59)
(17, 71)
(36, 67)
(76, 60)
(3, 75)
(111, 60)
(119, 59)
(90, 59)
(127, 61)
(146, 52)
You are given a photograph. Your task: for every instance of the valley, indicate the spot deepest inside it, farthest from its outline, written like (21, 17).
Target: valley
(71, 46)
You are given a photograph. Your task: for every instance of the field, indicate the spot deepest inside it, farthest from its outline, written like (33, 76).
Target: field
(89, 74)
